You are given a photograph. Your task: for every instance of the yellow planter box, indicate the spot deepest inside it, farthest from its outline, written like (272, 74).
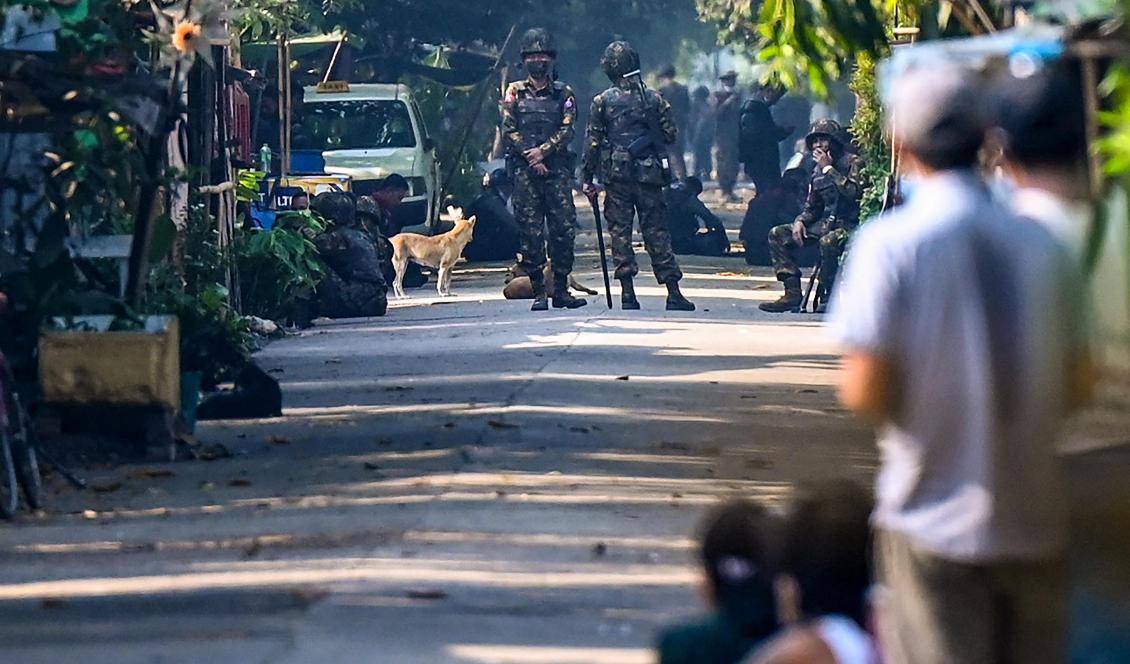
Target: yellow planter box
(95, 366)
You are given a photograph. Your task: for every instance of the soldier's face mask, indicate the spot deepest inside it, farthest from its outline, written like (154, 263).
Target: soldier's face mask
(538, 65)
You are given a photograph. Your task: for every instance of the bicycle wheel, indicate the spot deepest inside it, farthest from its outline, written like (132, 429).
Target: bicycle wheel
(9, 490)
(25, 457)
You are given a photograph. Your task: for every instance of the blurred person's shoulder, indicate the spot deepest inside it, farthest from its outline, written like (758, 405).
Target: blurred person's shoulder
(798, 645)
(710, 639)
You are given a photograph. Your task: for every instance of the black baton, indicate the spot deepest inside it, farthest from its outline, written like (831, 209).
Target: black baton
(595, 201)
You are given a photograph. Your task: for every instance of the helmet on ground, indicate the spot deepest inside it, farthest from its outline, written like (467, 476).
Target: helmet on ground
(825, 129)
(619, 58)
(538, 40)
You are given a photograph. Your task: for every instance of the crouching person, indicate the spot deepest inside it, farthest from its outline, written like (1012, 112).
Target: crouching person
(353, 286)
(738, 587)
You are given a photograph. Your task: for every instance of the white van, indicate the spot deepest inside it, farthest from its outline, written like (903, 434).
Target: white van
(368, 131)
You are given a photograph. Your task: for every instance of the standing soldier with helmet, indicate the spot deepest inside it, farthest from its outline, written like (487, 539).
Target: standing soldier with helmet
(830, 214)
(626, 145)
(538, 117)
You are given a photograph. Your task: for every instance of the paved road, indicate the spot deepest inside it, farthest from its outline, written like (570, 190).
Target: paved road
(460, 481)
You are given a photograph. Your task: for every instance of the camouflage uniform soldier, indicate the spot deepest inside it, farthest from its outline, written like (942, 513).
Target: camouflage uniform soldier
(830, 214)
(353, 286)
(621, 144)
(538, 117)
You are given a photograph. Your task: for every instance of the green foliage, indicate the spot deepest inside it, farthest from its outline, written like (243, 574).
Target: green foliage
(215, 340)
(867, 130)
(804, 42)
(1115, 145)
(279, 269)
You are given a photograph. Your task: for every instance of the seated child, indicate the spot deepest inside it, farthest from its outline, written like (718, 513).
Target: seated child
(738, 588)
(822, 557)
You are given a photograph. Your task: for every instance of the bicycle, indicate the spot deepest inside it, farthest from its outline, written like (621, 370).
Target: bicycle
(19, 456)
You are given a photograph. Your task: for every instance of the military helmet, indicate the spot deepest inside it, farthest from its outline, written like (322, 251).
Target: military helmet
(336, 206)
(825, 129)
(538, 40)
(619, 58)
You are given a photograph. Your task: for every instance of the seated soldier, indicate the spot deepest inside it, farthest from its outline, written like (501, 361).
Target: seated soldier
(353, 285)
(685, 210)
(830, 213)
(496, 231)
(739, 587)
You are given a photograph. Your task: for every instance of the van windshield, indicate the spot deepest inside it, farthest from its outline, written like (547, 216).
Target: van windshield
(352, 125)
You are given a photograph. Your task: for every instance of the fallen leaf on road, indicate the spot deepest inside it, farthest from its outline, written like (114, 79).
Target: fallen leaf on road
(106, 486)
(53, 603)
(333, 360)
(500, 494)
(369, 465)
(808, 391)
(399, 388)
(253, 549)
(749, 396)
(425, 594)
(623, 377)
(239, 482)
(449, 425)
(668, 445)
(278, 440)
(498, 424)
(150, 473)
(729, 274)
(600, 549)
(676, 495)
(383, 442)
(275, 371)
(579, 429)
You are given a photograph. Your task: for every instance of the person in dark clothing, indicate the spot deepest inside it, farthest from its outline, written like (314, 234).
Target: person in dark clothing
(353, 285)
(702, 133)
(677, 96)
(778, 205)
(496, 231)
(760, 138)
(685, 213)
(375, 214)
(739, 585)
(727, 107)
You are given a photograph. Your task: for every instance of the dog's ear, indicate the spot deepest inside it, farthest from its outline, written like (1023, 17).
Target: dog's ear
(474, 218)
(456, 213)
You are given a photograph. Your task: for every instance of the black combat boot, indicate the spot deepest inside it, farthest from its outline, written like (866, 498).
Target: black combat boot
(675, 299)
(790, 301)
(541, 303)
(628, 301)
(562, 298)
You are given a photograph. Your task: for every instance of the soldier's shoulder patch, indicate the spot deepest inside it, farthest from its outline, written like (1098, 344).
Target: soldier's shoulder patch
(570, 103)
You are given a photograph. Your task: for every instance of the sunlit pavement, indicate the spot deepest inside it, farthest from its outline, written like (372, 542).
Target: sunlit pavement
(459, 481)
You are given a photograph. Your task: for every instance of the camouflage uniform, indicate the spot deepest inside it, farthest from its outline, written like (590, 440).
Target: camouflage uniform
(542, 118)
(829, 215)
(353, 285)
(634, 184)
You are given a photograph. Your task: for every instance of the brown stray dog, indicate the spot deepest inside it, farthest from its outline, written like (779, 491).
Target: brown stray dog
(520, 288)
(440, 252)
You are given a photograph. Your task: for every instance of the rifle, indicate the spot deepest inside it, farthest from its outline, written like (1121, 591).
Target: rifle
(595, 200)
(654, 142)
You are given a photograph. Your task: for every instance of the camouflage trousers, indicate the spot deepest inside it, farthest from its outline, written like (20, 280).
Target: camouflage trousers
(338, 298)
(783, 251)
(621, 203)
(541, 201)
